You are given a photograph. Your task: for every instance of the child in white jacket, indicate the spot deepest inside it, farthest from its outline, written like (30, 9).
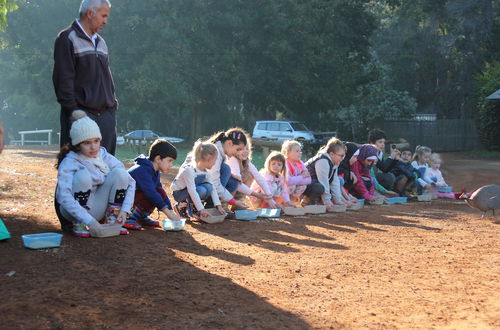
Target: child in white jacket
(93, 186)
(191, 187)
(245, 172)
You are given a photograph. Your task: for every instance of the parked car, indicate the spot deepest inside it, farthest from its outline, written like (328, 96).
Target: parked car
(120, 140)
(148, 134)
(281, 130)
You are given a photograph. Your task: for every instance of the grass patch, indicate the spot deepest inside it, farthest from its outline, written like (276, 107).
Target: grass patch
(484, 154)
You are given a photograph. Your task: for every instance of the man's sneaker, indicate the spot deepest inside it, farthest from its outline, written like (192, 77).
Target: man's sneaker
(124, 231)
(79, 230)
(148, 222)
(132, 224)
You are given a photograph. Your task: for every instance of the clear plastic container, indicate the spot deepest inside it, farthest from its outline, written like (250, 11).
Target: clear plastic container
(171, 225)
(42, 240)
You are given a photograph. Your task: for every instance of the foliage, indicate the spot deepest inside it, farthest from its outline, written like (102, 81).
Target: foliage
(376, 100)
(488, 112)
(5, 7)
(190, 67)
(435, 48)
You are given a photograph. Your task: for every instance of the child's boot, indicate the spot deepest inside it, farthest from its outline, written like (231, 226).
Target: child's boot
(148, 222)
(79, 230)
(131, 222)
(112, 214)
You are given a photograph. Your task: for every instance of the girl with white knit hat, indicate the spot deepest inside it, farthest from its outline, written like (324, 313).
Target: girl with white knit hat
(93, 186)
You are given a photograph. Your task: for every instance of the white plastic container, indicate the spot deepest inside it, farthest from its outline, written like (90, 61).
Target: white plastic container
(315, 209)
(215, 216)
(294, 210)
(109, 230)
(424, 197)
(338, 208)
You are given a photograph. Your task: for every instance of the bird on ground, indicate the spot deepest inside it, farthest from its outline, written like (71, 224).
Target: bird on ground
(484, 198)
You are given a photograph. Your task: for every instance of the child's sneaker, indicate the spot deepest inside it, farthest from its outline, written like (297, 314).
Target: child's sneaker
(132, 224)
(180, 209)
(79, 230)
(148, 222)
(124, 231)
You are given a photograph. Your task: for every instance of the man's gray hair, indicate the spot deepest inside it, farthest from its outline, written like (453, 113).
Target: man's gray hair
(92, 5)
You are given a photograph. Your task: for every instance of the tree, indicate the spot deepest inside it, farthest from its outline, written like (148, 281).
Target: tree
(375, 100)
(5, 7)
(488, 112)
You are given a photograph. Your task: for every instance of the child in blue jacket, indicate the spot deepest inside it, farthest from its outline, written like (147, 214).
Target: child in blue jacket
(149, 192)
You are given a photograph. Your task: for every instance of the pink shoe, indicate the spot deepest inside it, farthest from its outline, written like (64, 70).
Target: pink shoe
(124, 231)
(79, 230)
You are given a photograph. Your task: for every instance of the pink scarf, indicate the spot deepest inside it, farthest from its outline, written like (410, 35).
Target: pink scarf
(292, 168)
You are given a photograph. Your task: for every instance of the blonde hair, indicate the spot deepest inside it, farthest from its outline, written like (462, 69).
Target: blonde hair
(278, 156)
(288, 145)
(435, 157)
(419, 151)
(333, 145)
(203, 150)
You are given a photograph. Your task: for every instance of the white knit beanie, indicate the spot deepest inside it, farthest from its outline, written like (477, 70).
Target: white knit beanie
(83, 128)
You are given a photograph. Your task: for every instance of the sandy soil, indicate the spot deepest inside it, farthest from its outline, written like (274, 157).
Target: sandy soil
(421, 265)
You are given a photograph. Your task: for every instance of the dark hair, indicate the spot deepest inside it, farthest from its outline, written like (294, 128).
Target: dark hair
(65, 149)
(162, 148)
(376, 134)
(406, 149)
(236, 135)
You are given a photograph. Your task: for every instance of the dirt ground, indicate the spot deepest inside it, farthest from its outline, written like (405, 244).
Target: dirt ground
(422, 265)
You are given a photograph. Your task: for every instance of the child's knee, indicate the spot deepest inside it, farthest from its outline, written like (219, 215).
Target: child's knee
(82, 180)
(119, 176)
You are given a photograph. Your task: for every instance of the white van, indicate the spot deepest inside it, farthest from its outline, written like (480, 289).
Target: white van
(282, 130)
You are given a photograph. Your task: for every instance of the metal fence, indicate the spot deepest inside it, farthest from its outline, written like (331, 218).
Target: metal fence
(441, 135)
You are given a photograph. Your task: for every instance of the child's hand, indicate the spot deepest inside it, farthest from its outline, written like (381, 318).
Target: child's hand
(122, 216)
(260, 195)
(354, 178)
(390, 193)
(395, 154)
(171, 214)
(239, 205)
(205, 214)
(221, 209)
(272, 204)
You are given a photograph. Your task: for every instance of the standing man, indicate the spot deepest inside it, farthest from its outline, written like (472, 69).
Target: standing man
(82, 78)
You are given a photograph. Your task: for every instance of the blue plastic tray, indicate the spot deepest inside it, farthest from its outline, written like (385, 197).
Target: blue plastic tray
(269, 213)
(42, 240)
(396, 200)
(246, 214)
(446, 189)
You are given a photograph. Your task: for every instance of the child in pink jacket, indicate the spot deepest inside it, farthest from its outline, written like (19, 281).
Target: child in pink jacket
(298, 176)
(274, 172)
(364, 186)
